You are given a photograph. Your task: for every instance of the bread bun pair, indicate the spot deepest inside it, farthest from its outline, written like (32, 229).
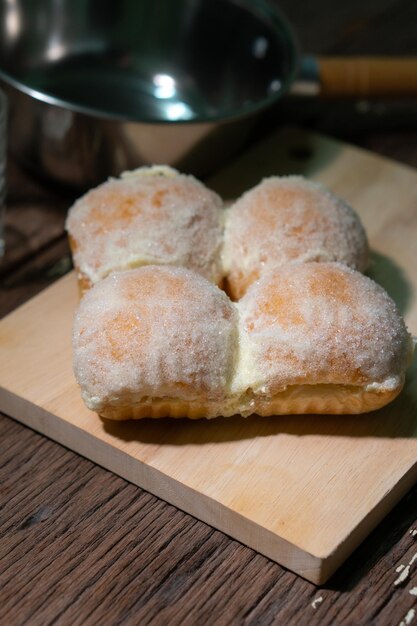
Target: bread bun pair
(157, 216)
(305, 338)
(307, 334)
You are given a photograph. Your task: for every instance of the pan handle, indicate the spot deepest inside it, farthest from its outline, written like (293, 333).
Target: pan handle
(367, 76)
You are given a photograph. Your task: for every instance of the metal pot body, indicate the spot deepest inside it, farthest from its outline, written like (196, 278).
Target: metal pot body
(99, 87)
(80, 150)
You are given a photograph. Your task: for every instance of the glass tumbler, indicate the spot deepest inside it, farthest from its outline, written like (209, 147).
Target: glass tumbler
(3, 137)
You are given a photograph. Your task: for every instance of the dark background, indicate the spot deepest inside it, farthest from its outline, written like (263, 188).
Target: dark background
(377, 27)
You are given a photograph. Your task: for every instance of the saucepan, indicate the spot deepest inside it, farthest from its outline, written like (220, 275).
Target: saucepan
(96, 87)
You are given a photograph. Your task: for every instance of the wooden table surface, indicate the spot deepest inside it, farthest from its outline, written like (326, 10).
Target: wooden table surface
(79, 545)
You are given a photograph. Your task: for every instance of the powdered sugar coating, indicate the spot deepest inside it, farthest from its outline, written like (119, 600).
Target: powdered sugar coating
(286, 219)
(148, 216)
(154, 331)
(313, 323)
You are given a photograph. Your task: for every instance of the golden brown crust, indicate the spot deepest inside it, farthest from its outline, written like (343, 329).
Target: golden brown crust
(298, 399)
(325, 399)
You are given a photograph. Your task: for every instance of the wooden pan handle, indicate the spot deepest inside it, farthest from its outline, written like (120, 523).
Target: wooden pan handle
(368, 76)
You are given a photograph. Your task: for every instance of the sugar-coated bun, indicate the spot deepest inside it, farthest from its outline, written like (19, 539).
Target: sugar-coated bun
(153, 215)
(321, 324)
(154, 332)
(286, 219)
(306, 338)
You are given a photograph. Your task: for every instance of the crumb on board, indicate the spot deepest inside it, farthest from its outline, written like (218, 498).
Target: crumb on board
(408, 618)
(404, 570)
(316, 602)
(403, 576)
(413, 591)
(413, 532)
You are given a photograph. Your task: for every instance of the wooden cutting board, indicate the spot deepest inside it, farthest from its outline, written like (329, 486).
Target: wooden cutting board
(303, 490)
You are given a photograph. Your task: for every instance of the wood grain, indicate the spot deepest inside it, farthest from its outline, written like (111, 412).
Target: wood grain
(304, 491)
(107, 552)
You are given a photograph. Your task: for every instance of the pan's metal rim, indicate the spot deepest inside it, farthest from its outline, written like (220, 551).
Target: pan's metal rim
(279, 22)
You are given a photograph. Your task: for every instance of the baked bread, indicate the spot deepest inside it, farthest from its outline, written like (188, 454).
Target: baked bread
(155, 341)
(157, 216)
(153, 215)
(306, 338)
(320, 338)
(286, 219)
(306, 335)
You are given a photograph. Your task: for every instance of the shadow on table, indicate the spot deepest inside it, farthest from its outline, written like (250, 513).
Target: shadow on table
(392, 278)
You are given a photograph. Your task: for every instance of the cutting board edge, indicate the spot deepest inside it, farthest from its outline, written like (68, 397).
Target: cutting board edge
(375, 516)
(314, 568)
